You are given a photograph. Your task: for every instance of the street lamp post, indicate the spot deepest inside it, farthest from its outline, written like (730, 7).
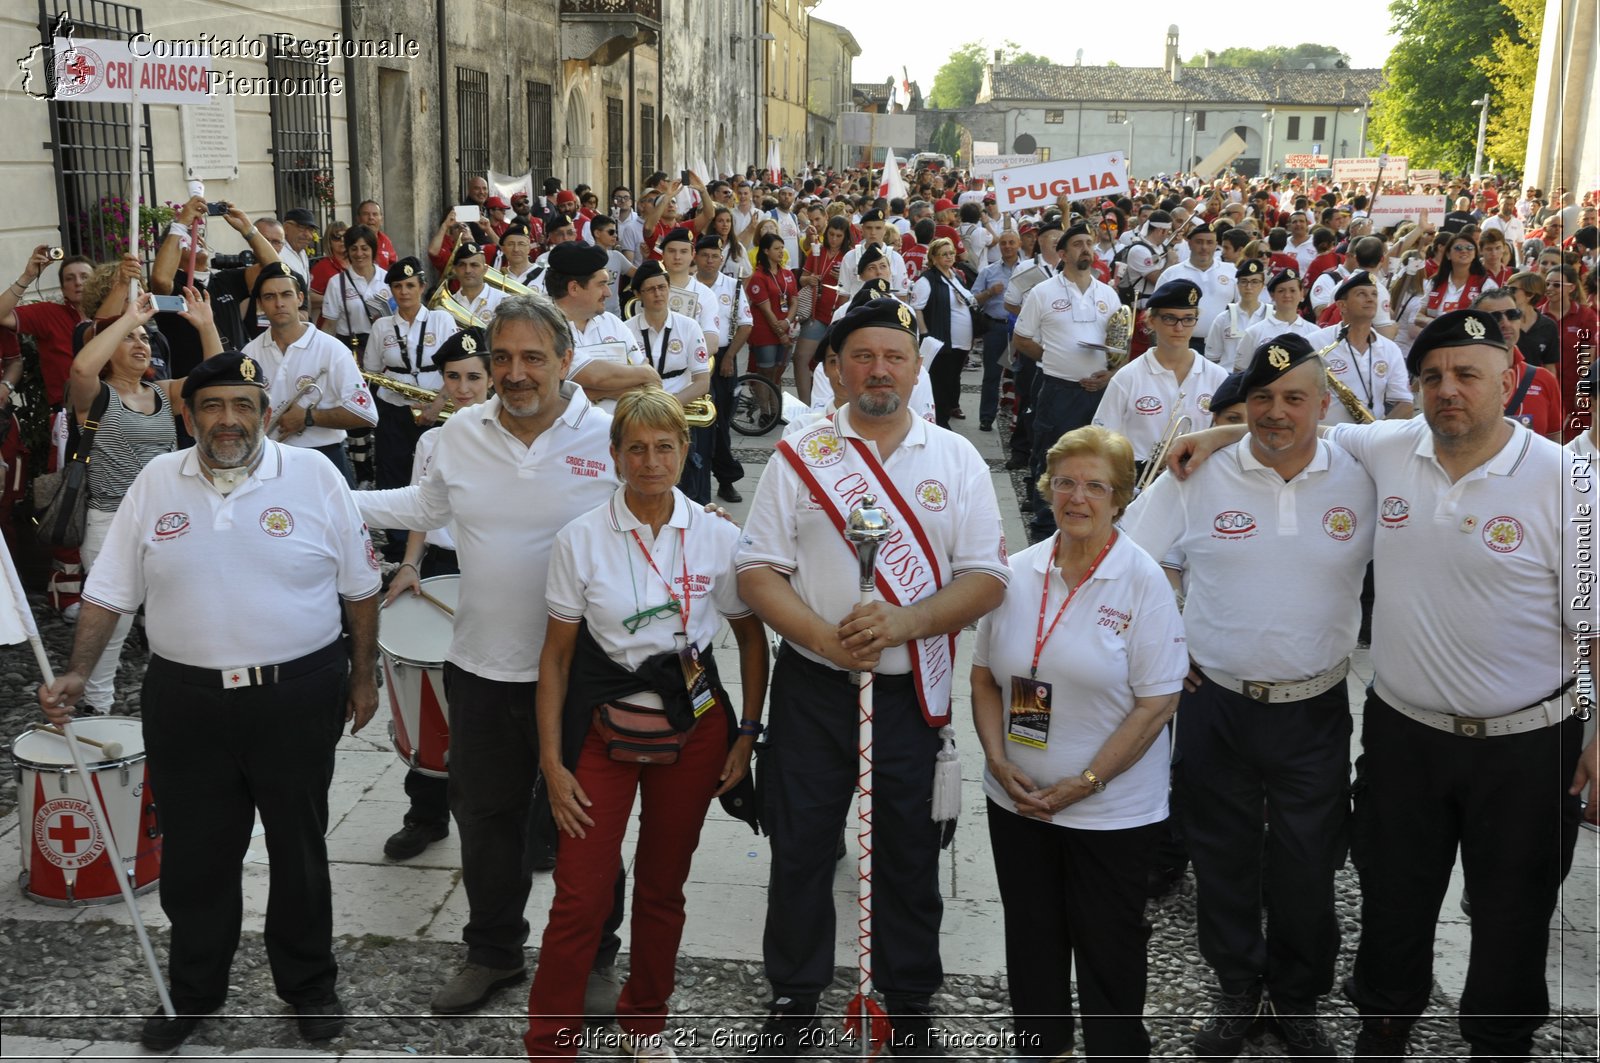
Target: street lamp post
(1361, 144)
(1128, 157)
(1188, 159)
(1272, 122)
(1483, 127)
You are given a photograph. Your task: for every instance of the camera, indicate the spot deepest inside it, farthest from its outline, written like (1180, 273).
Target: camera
(239, 261)
(219, 209)
(55, 254)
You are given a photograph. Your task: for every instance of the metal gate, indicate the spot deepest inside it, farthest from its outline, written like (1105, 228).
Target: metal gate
(472, 137)
(302, 142)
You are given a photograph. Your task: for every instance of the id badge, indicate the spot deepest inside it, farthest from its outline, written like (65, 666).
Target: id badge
(695, 680)
(1028, 721)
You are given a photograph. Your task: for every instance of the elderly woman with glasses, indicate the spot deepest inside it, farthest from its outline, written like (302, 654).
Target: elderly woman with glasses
(630, 705)
(1073, 680)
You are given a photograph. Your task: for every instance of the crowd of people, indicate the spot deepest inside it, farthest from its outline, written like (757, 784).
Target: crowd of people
(523, 404)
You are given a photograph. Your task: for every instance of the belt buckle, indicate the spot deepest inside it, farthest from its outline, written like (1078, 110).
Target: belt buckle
(1467, 727)
(232, 678)
(1261, 692)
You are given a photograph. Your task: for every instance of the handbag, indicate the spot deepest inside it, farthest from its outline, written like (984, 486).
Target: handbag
(637, 734)
(61, 498)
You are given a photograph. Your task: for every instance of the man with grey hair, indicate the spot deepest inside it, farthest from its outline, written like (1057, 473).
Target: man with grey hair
(508, 474)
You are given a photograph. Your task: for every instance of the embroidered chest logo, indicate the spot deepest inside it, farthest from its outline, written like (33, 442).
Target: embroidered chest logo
(1337, 365)
(1394, 512)
(1100, 306)
(1114, 619)
(931, 494)
(821, 448)
(1339, 523)
(171, 525)
(675, 347)
(1502, 534)
(1205, 403)
(1233, 524)
(1149, 405)
(277, 522)
(1380, 368)
(1061, 306)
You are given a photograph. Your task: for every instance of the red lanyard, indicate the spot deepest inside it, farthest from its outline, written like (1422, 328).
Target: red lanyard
(1040, 635)
(685, 602)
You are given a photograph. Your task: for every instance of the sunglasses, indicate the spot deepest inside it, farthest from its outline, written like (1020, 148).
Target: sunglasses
(1505, 315)
(1463, 247)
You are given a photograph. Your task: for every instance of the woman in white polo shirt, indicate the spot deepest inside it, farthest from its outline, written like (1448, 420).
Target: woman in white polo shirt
(1073, 679)
(635, 590)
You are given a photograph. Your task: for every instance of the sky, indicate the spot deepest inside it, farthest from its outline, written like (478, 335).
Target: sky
(921, 35)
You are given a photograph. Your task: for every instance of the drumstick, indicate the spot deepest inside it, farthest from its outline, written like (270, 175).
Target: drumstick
(436, 602)
(112, 750)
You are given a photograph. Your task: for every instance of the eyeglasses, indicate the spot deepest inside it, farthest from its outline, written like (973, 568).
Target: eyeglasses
(1092, 489)
(1506, 315)
(1178, 319)
(671, 607)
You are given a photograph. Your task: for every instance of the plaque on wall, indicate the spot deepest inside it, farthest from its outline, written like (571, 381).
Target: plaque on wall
(210, 146)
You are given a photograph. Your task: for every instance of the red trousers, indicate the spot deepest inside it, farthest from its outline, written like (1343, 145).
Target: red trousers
(674, 802)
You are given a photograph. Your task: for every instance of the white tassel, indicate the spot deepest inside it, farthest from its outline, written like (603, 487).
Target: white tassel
(947, 778)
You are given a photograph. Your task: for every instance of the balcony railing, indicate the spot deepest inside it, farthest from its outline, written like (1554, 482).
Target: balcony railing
(603, 31)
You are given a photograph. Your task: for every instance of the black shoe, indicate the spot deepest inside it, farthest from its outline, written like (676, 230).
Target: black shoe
(1013, 464)
(782, 1035)
(320, 1022)
(1238, 1015)
(1381, 1041)
(911, 1034)
(1301, 1032)
(729, 493)
(161, 1034)
(412, 838)
(986, 426)
(957, 415)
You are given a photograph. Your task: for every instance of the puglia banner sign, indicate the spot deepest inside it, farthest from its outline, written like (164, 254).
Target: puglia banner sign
(1040, 185)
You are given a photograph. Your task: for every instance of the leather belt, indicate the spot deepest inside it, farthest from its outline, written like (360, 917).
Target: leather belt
(1269, 693)
(1547, 713)
(259, 675)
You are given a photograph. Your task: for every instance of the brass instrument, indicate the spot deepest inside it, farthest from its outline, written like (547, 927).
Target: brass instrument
(1177, 424)
(410, 391)
(493, 278)
(1353, 406)
(442, 300)
(306, 385)
(1118, 331)
(700, 413)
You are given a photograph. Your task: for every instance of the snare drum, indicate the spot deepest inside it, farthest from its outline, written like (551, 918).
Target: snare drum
(413, 635)
(66, 860)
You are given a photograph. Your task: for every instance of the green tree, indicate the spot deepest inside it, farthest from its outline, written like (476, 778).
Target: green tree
(957, 82)
(1512, 69)
(946, 140)
(1425, 110)
(1300, 56)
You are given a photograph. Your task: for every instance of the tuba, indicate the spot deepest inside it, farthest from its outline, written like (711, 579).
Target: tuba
(410, 391)
(441, 300)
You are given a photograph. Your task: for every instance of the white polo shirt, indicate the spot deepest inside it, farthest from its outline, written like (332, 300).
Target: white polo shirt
(733, 309)
(1460, 566)
(246, 578)
(1324, 287)
(1060, 317)
(1377, 375)
(316, 356)
(507, 502)
(953, 491)
(1215, 284)
(480, 306)
(1274, 569)
(678, 352)
(1120, 639)
(421, 458)
(1141, 396)
(850, 280)
(599, 573)
(606, 338)
(1226, 338)
(351, 304)
(822, 400)
(1265, 329)
(405, 351)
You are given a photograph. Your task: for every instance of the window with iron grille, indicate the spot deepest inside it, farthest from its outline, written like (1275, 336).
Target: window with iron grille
(302, 141)
(1294, 128)
(89, 146)
(541, 133)
(647, 139)
(1054, 117)
(472, 126)
(614, 169)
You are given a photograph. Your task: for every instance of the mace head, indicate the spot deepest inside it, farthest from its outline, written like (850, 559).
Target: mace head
(867, 523)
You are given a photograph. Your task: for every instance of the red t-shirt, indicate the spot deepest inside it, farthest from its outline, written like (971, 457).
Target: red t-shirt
(916, 261)
(1282, 260)
(1541, 406)
(653, 241)
(946, 232)
(323, 270)
(826, 300)
(777, 291)
(385, 256)
(1322, 264)
(50, 325)
(1577, 327)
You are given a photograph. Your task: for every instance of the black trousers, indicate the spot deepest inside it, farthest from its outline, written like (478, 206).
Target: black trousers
(1420, 796)
(494, 764)
(945, 376)
(808, 776)
(429, 794)
(1074, 895)
(1235, 755)
(1061, 406)
(396, 437)
(217, 757)
(695, 480)
(724, 466)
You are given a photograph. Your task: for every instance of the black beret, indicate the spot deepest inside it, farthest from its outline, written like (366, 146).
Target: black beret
(1458, 328)
(1076, 229)
(647, 269)
(471, 342)
(1249, 267)
(465, 249)
(1272, 359)
(517, 229)
(708, 243)
(876, 313)
(869, 254)
(1200, 229)
(574, 258)
(680, 234)
(876, 288)
(273, 271)
(1229, 393)
(405, 269)
(1359, 279)
(228, 369)
(1175, 295)
(1051, 225)
(1290, 274)
(872, 215)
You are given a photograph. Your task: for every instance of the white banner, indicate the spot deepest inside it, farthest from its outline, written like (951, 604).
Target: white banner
(1392, 210)
(107, 71)
(986, 147)
(1395, 168)
(505, 186)
(1304, 162)
(1425, 177)
(1085, 176)
(985, 164)
(866, 128)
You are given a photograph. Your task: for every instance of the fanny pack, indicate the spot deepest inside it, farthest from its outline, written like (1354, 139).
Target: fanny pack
(638, 734)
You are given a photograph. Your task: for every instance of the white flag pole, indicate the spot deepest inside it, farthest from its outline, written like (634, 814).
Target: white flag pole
(135, 142)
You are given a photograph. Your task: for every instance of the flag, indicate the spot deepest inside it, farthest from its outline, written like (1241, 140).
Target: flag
(892, 185)
(774, 162)
(905, 86)
(16, 616)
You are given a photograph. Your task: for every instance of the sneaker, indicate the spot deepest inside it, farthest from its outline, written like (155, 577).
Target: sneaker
(472, 987)
(729, 493)
(1224, 1034)
(783, 1034)
(1381, 1041)
(651, 1046)
(70, 613)
(412, 838)
(600, 994)
(161, 1034)
(1301, 1032)
(322, 1021)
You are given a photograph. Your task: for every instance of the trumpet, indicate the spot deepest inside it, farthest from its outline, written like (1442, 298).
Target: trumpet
(306, 385)
(1347, 398)
(1177, 424)
(410, 391)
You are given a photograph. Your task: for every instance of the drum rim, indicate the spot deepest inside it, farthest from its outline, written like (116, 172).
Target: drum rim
(90, 753)
(415, 662)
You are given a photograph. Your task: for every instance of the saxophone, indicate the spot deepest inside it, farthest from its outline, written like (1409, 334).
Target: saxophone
(410, 391)
(1353, 406)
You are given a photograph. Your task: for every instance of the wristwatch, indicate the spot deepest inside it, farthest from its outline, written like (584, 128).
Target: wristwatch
(1094, 781)
(311, 419)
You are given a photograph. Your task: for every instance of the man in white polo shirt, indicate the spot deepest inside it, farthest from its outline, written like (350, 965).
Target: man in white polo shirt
(1284, 521)
(509, 474)
(315, 387)
(942, 569)
(1210, 274)
(873, 234)
(1367, 362)
(606, 357)
(246, 555)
